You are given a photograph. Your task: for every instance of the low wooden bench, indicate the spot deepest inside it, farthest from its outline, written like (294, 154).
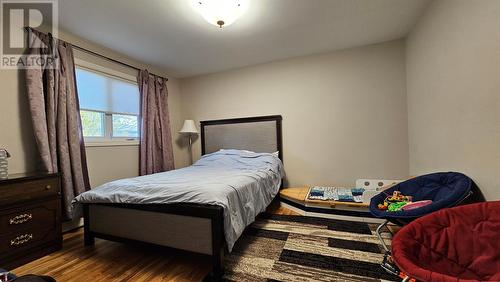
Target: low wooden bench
(296, 199)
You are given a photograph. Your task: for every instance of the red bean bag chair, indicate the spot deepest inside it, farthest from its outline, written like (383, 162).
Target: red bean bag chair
(454, 244)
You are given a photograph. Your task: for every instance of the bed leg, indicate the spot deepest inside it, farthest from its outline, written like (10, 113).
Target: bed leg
(218, 269)
(217, 244)
(88, 237)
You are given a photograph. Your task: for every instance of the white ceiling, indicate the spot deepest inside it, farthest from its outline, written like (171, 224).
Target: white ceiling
(168, 34)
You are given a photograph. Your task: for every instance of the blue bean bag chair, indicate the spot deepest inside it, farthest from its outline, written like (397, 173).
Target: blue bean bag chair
(445, 189)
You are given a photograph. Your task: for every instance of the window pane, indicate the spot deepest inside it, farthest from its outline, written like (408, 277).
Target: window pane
(92, 90)
(92, 123)
(124, 97)
(104, 93)
(125, 126)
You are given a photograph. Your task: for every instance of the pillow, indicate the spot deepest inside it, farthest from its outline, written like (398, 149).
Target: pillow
(275, 154)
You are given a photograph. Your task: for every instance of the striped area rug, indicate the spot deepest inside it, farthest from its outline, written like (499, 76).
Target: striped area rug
(299, 248)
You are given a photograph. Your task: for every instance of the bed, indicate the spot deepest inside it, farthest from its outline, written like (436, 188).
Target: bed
(237, 154)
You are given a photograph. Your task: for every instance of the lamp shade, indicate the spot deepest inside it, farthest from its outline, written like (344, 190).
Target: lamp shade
(189, 127)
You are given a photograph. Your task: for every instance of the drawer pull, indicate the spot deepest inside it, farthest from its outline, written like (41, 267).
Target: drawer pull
(21, 239)
(19, 219)
(47, 187)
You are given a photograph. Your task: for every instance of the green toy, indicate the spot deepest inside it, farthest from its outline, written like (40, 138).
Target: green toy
(394, 207)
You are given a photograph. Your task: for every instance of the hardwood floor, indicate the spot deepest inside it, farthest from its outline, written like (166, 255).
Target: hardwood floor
(111, 261)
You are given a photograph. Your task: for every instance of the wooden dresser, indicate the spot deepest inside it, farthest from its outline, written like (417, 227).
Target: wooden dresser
(30, 218)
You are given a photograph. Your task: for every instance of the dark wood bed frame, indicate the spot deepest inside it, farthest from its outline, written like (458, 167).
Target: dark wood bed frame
(212, 212)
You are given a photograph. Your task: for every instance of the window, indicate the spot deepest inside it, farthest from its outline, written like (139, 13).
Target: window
(109, 106)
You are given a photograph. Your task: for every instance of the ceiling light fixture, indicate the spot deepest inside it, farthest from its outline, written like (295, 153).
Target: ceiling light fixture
(220, 12)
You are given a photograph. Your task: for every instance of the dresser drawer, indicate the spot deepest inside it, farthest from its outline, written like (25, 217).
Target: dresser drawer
(32, 216)
(28, 190)
(23, 240)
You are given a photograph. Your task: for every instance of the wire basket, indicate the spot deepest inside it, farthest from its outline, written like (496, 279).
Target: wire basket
(4, 164)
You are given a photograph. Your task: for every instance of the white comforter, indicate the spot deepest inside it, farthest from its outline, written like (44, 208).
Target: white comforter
(242, 182)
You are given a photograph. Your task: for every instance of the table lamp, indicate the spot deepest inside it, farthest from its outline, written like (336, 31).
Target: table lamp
(189, 128)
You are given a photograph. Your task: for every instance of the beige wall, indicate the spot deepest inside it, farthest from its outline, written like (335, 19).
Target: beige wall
(105, 163)
(453, 81)
(344, 113)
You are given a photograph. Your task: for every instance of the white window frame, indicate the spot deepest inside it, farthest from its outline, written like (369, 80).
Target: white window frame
(108, 139)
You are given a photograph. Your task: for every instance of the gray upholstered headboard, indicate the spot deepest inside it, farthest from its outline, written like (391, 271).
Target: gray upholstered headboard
(258, 134)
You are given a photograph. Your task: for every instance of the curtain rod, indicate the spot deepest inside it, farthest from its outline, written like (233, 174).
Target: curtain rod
(97, 54)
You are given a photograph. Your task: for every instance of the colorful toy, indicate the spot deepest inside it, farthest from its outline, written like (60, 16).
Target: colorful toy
(395, 202)
(416, 205)
(383, 206)
(396, 206)
(398, 197)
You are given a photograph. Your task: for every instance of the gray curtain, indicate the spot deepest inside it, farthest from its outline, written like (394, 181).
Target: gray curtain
(156, 154)
(56, 117)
